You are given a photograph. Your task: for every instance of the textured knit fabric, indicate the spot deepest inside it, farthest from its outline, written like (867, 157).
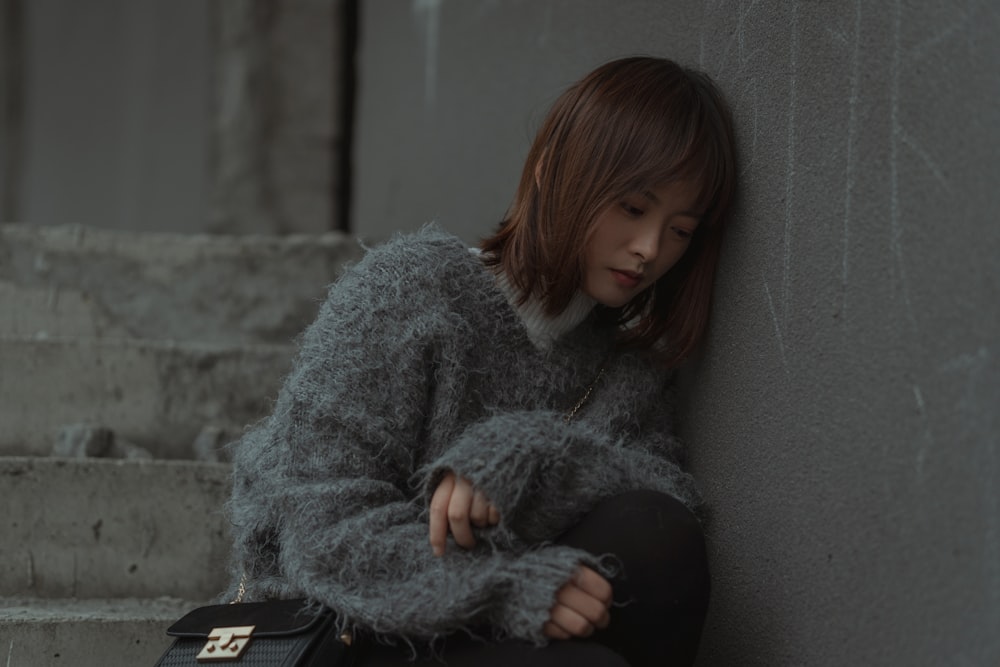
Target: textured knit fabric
(417, 364)
(660, 597)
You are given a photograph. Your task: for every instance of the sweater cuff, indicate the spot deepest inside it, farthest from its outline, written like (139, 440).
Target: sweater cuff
(501, 456)
(532, 583)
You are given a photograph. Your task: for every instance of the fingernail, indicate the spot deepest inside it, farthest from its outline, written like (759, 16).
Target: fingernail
(438, 551)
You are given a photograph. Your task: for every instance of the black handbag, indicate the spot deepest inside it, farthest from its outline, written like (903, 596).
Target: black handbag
(274, 633)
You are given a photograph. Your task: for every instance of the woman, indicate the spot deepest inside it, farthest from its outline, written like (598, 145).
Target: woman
(474, 450)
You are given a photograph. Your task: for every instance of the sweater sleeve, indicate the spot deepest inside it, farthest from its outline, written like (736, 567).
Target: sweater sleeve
(321, 505)
(543, 474)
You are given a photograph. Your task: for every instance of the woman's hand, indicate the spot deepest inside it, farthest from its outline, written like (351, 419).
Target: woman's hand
(457, 506)
(581, 606)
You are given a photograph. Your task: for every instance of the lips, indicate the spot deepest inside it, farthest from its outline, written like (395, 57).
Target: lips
(627, 279)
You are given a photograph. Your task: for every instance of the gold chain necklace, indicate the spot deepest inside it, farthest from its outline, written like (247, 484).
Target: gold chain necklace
(583, 400)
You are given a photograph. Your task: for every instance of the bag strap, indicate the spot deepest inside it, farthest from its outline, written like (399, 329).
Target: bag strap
(241, 591)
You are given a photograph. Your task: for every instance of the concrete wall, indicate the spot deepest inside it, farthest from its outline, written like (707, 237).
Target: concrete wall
(156, 115)
(115, 114)
(11, 104)
(844, 421)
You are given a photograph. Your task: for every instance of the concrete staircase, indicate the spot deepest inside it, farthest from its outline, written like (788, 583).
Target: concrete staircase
(133, 357)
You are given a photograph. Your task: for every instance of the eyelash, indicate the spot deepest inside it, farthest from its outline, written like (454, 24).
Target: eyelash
(632, 211)
(636, 212)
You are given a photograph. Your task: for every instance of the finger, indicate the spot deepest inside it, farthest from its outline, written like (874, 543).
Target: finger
(570, 621)
(458, 513)
(594, 584)
(494, 516)
(439, 513)
(480, 512)
(584, 604)
(553, 631)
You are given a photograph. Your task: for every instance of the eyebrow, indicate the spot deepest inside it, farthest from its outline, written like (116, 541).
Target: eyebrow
(648, 194)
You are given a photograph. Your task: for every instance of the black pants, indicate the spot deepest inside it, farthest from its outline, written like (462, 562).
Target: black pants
(661, 595)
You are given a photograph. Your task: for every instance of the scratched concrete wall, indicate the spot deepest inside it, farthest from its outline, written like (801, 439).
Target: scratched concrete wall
(845, 420)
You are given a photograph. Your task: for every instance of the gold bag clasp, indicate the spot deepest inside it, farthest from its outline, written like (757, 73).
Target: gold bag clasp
(226, 643)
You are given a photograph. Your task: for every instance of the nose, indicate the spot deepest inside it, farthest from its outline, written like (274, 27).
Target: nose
(645, 243)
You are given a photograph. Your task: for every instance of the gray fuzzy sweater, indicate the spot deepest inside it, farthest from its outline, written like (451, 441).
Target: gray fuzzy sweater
(417, 364)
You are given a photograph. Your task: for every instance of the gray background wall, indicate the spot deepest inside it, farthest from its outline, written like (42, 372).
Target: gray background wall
(845, 419)
(116, 109)
(154, 115)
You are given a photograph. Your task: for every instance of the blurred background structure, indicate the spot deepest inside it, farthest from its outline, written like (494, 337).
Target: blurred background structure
(844, 420)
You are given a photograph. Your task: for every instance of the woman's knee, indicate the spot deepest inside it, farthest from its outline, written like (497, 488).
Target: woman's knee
(656, 541)
(657, 522)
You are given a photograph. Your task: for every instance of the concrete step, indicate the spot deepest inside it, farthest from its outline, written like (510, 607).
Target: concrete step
(157, 395)
(97, 528)
(86, 633)
(40, 312)
(225, 289)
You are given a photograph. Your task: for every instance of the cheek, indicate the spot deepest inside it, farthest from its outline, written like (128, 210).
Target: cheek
(589, 257)
(596, 249)
(670, 259)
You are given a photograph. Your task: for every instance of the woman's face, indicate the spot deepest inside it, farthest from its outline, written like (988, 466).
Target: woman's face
(636, 240)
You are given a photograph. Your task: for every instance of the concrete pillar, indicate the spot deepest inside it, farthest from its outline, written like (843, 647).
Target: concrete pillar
(275, 111)
(11, 106)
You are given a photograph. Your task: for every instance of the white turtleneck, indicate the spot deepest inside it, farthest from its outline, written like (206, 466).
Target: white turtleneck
(544, 330)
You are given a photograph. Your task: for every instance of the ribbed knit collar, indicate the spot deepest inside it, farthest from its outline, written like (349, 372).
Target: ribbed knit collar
(543, 329)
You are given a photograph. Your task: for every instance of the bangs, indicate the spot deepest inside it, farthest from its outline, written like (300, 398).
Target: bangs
(684, 135)
(706, 163)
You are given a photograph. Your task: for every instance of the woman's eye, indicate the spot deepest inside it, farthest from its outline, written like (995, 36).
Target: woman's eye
(633, 211)
(682, 233)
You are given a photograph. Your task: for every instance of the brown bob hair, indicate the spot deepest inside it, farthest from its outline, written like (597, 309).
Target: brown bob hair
(629, 126)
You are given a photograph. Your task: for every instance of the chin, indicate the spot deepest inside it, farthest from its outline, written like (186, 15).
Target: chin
(610, 296)
(614, 302)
